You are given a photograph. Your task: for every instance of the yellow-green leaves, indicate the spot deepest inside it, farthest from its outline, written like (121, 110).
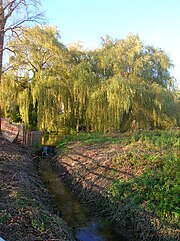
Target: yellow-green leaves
(106, 89)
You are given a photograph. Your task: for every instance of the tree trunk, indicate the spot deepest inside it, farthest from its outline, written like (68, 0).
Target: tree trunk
(1, 52)
(1, 60)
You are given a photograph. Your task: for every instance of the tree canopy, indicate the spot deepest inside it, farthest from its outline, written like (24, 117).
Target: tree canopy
(123, 84)
(13, 15)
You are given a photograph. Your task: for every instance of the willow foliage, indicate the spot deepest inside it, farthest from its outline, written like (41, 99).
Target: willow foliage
(106, 89)
(38, 56)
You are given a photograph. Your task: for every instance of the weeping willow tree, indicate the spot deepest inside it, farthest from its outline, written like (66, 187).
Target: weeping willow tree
(152, 106)
(15, 93)
(115, 105)
(129, 58)
(135, 85)
(120, 97)
(177, 106)
(9, 96)
(38, 55)
(83, 80)
(107, 89)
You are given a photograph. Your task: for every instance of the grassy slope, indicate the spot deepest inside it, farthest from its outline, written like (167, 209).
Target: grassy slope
(138, 173)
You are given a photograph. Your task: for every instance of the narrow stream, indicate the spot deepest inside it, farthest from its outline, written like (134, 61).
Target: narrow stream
(74, 213)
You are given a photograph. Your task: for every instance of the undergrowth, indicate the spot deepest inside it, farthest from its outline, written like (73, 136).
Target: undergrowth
(90, 139)
(156, 156)
(157, 188)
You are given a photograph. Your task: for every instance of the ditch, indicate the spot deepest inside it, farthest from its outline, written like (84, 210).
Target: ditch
(85, 226)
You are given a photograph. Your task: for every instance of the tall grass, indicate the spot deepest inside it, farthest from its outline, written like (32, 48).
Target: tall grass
(158, 188)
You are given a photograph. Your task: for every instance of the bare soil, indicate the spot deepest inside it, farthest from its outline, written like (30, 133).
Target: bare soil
(91, 170)
(26, 209)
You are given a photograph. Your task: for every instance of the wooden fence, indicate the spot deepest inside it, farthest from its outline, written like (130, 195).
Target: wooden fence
(18, 133)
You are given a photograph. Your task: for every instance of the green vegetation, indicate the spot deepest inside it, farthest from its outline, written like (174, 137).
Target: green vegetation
(124, 84)
(152, 158)
(157, 188)
(89, 139)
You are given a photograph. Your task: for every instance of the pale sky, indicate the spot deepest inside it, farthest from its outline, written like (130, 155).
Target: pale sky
(157, 22)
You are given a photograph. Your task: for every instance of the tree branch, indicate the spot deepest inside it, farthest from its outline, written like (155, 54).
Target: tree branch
(7, 48)
(11, 9)
(34, 18)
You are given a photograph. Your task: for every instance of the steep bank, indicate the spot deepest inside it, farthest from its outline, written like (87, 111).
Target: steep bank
(26, 210)
(118, 177)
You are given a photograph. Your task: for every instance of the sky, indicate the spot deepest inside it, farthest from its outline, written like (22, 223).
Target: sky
(156, 22)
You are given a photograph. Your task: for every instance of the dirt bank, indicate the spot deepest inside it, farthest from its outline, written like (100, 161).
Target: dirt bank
(91, 171)
(26, 210)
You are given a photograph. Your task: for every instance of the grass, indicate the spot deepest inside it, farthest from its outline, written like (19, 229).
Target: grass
(90, 139)
(157, 188)
(153, 154)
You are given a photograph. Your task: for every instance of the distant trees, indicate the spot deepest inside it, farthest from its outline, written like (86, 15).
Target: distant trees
(107, 89)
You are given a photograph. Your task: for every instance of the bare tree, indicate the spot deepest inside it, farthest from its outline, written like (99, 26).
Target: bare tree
(13, 15)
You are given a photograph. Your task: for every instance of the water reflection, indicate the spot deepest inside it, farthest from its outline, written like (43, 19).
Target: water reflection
(92, 232)
(74, 213)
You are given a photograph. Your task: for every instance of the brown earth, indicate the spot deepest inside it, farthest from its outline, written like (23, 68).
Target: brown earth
(26, 210)
(91, 170)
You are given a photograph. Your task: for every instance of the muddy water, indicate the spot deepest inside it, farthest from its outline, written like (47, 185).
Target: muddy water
(87, 228)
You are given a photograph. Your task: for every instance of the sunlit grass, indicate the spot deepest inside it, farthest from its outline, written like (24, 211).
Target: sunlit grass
(157, 188)
(154, 158)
